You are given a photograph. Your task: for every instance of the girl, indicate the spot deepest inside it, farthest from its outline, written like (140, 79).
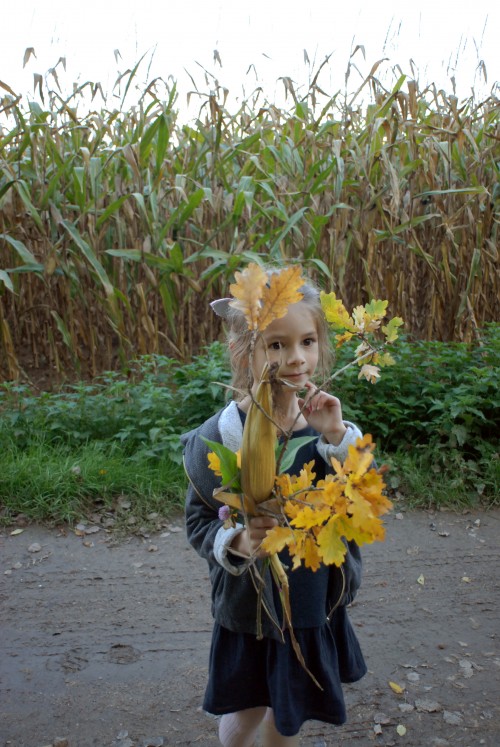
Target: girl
(259, 682)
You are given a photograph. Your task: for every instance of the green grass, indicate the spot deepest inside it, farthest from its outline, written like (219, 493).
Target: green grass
(420, 479)
(57, 483)
(112, 446)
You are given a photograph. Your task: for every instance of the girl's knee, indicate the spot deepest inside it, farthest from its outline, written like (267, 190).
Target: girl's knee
(239, 729)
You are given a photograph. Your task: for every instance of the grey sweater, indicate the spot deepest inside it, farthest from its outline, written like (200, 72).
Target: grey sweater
(234, 584)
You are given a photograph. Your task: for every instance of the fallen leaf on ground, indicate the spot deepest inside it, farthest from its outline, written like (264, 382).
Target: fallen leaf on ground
(406, 707)
(396, 688)
(428, 706)
(421, 579)
(16, 531)
(35, 547)
(401, 730)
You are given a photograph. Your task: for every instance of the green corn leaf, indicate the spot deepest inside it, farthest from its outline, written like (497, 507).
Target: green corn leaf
(5, 279)
(183, 213)
(110, 210)
(274, 251)
(23, 192)
(228, 463)
(162, 142)
(90, 256)
(292, 447)
(21, 249)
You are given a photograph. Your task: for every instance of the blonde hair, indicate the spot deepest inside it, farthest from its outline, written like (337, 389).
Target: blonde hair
(239, 339)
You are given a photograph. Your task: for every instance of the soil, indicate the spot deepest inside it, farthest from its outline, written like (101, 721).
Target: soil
(105, 642)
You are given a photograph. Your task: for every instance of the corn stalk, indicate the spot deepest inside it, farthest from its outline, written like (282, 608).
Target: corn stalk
(118, 226)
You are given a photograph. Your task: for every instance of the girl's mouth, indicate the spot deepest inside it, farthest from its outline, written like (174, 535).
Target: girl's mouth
(293, 377)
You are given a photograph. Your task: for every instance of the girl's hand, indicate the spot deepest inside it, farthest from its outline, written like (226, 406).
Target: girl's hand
(323, 412)
(248, 541)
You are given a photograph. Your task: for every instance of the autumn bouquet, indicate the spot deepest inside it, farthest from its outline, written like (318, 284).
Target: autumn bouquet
(314, 520)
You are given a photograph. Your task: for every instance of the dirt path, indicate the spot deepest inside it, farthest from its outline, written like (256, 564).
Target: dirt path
(106, 644)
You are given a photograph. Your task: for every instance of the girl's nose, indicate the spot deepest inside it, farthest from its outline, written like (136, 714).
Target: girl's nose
(294, 355)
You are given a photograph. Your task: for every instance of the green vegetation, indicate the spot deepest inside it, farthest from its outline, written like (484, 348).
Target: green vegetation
(65, 453)
(111, 446)
(436, 416)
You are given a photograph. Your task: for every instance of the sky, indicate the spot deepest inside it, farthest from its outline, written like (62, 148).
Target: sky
(257, 43)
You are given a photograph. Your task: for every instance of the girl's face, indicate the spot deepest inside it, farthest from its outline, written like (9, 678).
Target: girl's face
(293, 343)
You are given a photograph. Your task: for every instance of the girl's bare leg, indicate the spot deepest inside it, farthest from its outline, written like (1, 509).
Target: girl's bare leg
(271, 736)
(240, 729)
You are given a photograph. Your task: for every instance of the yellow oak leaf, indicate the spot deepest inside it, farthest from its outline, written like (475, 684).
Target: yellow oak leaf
(276, 539)
(335, 312)
(360, 509)
(304, 549)
(361, 535)
(307, 474)
(360, 457)
(337, 466)
(331, 546)
(247, 291)
(385, 359)
(284, 485)
(345, 337)
(359, 318)
(332, 493)
(309, 517)
(311, 555)
(391, 329)
(282, 290)
(370, 373)
(376, 309)
(296, 483)
(372, 324)
(214, 463)
(371, 487)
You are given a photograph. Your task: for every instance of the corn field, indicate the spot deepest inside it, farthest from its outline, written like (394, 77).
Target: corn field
(118, 227)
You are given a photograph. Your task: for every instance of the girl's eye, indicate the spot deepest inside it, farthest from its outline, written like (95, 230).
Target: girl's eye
(275, 346)
(309, 341)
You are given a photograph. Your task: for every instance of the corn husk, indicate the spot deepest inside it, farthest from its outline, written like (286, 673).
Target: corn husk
(258, 458)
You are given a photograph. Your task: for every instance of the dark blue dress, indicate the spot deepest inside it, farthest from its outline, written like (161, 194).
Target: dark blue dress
(245, 672)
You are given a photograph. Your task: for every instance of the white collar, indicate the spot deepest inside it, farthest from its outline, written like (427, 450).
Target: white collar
(231, 427)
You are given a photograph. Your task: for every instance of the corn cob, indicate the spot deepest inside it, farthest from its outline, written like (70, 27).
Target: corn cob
(258, 460)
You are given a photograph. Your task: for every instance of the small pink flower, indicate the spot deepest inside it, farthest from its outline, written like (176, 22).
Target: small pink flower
(224, 513)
